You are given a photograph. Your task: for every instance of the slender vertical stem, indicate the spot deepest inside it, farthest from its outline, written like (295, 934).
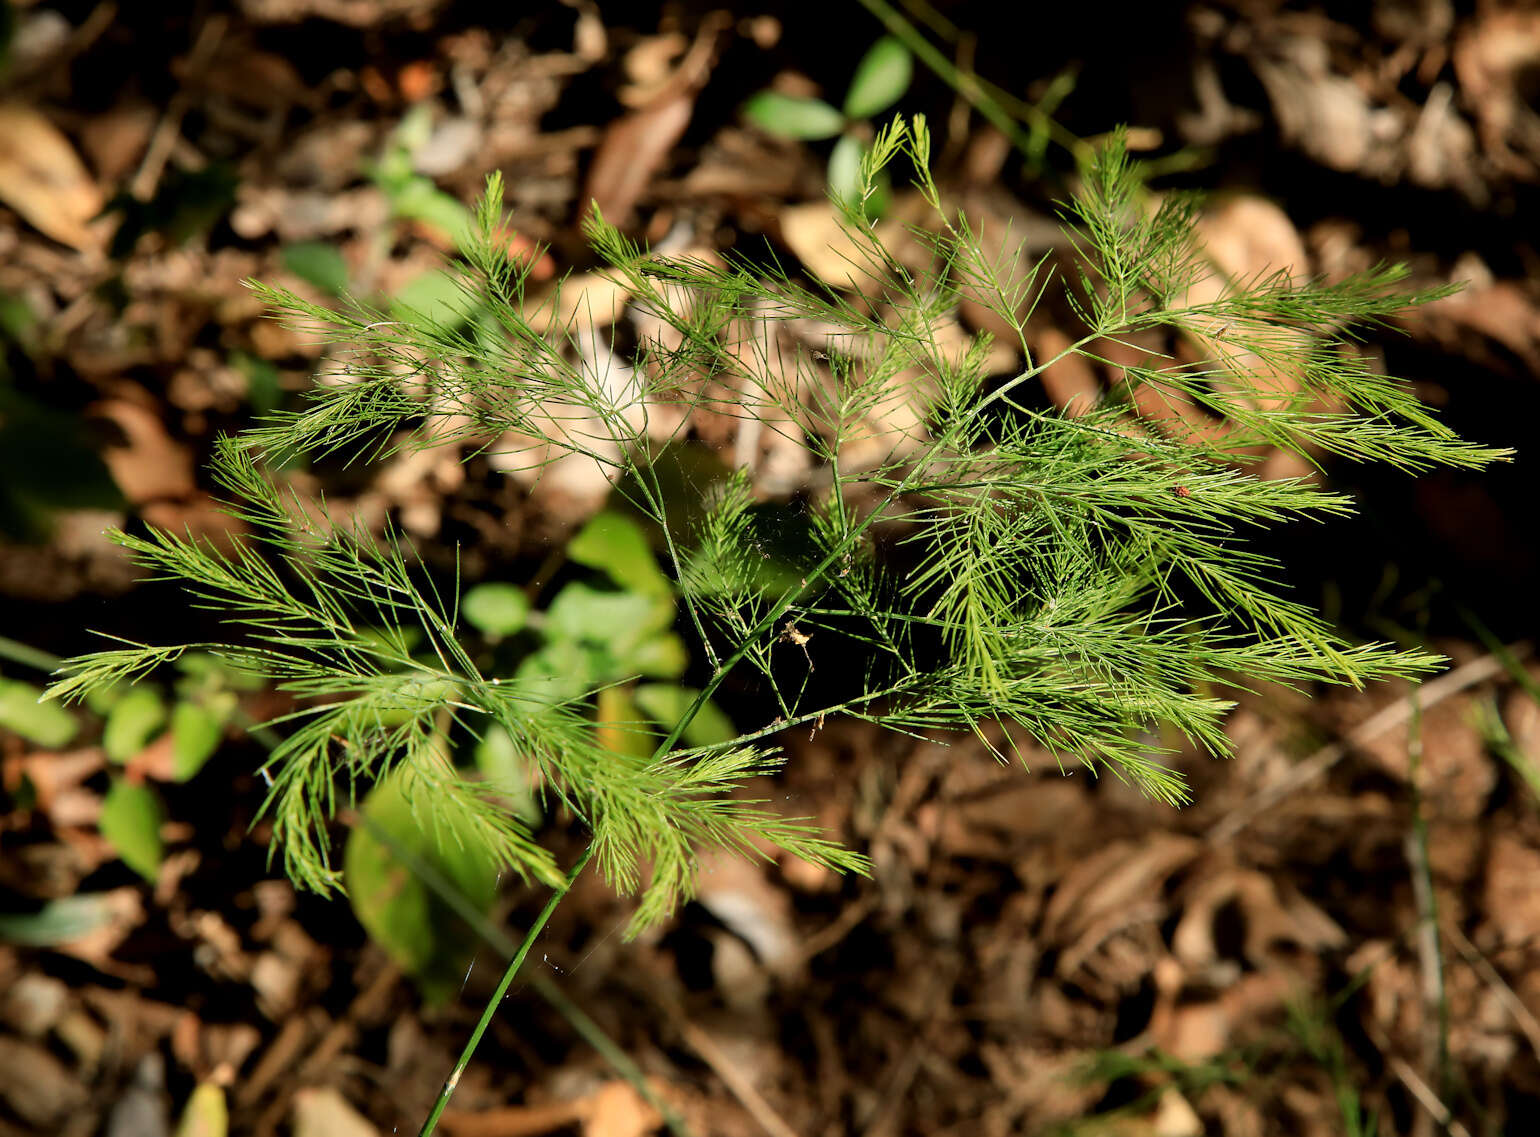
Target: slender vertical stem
(497, 996)
(590, 1031)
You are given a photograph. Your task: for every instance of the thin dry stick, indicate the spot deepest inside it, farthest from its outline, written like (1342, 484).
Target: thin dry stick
(1397, 714)
(1430, 955)
(1416, 1086)
(734, 1079)
(1522, 1016)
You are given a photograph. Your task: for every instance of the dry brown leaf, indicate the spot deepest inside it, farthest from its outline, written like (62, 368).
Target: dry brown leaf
(1070, 380)
(1113, 879)
(36, 1085)
(148, 464)
(44, 180)
(634, 148)
(1458, 775)
(1492, 56)
(1510, 899)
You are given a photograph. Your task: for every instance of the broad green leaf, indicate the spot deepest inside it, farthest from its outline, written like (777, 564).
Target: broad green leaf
(59, 921)
(666, 703)
(432, 298)
(845, 169)
(616, 546)
(881, 77)
(131, 819)
(195, 735)
(101, 700)
(495, 609)
(43, 724)
(318, 262)
(418, 199)
(661, 657)
(132, 722)
(560, 671)
(616, 620)
(206, 1114)
(505, 769)
(416, 929)
(794, 116)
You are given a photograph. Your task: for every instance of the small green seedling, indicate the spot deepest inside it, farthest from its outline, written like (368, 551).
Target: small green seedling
(606, 642)
(189, 718)
(880, 79)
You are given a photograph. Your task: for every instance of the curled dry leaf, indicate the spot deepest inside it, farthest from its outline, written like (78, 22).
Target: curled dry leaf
(1270, 919)
(1492, 58)
(44, 180)
(1112, 880)
(148, 465)
(736, 892)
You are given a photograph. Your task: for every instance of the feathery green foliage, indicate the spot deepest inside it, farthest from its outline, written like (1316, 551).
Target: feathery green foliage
(1086, 577)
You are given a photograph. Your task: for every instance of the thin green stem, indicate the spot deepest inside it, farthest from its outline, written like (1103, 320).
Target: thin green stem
(981, 95)
(502, 943)
(509, 972)
(28, 656)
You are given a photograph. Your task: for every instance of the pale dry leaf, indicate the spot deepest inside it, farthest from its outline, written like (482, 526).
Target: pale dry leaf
(814, 232)
(737, 892)
(33, 1004)
(44, 180)
(1327, 115)
(648, 67)
(323, 1112)
(585, 300)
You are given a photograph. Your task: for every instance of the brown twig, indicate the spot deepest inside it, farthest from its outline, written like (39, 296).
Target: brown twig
(1429, 694)
(147, 178)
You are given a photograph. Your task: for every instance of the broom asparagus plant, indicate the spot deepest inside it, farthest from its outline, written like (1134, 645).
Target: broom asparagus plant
(1085, 578)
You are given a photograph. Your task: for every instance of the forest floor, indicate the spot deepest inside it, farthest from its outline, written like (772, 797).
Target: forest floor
(1342, 931)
